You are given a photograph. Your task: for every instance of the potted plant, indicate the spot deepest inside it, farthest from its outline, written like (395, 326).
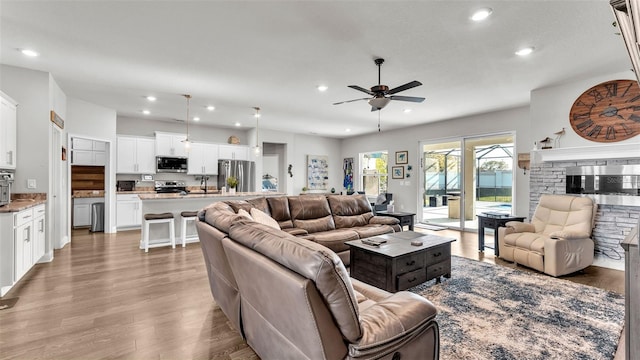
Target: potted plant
(304, 189)
(232, 182)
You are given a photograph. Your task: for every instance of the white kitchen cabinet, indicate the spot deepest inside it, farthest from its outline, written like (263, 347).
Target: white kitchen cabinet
(233, 152)
(128, 211)
(135, 155)
(169, 144)
(8, 124)
(203, 159)
(39, 230)
(23, 244)
(87, 152)
(82, 210)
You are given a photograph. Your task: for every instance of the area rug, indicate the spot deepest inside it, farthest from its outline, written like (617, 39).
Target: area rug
(489, 311)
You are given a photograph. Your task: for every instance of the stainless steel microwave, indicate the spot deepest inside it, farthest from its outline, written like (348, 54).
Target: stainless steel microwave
(168, 164)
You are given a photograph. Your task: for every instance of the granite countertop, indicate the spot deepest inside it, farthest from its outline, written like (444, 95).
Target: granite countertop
(21, 202)
(202, 195)
(87, 194)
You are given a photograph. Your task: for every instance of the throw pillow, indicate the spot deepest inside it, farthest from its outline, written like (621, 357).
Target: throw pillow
(244, 213)
(262, 218)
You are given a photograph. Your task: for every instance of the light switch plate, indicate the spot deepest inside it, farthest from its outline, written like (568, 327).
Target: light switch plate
(31, 183)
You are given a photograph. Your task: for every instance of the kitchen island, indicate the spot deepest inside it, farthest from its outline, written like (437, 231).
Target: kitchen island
(176, 203)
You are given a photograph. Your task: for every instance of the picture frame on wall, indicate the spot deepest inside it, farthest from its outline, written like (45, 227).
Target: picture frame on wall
(397, 172)
(402, 157)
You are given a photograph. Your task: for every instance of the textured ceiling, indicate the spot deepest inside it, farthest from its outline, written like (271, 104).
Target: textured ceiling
(240, 54)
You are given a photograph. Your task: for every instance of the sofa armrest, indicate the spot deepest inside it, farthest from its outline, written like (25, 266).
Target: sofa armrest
(384, 220)
(387, 324)
(296, 231)
(568, 235)
(519, 227)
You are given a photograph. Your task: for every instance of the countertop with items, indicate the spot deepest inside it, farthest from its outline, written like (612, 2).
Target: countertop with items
(201, 195)
(87, 194)
(24, 201)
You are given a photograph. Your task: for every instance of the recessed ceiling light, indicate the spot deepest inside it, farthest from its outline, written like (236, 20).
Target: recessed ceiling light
(211, 107)
(406, 111)
(29, 52)
(195, 118)
(151, 98)
(524, 51)
(481, 14)
(146, 112)
(322, 88)
(347, 130)
(237, 124)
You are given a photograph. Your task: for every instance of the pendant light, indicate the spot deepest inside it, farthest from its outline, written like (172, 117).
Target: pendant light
(257, 116)
(187, 142)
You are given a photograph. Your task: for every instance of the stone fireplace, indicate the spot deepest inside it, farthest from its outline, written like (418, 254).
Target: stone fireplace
(613, 222)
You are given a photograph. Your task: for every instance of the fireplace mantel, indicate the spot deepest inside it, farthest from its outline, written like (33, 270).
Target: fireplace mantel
(598, 152)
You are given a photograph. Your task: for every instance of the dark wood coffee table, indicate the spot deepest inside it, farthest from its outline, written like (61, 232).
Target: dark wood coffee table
(397, 265)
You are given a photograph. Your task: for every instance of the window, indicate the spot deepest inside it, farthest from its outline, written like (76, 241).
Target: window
(374, 172)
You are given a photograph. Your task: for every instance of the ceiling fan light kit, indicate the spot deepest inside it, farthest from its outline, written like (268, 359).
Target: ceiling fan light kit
(382, 95)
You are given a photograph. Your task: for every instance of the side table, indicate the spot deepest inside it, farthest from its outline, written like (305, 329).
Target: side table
(493, 221)
(404, 217)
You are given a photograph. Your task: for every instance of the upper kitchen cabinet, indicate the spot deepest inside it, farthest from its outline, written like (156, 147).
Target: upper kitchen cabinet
(168, 144)
(203, 159)
(136, 155)
(88, 152)
(8, 126)
(233, 152)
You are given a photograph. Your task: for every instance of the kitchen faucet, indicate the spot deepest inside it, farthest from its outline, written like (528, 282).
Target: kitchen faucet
(203, 180)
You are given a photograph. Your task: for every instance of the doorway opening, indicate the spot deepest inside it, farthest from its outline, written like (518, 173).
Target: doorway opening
(465, 177)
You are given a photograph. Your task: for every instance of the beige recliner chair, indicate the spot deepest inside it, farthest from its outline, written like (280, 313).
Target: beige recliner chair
(558, 239)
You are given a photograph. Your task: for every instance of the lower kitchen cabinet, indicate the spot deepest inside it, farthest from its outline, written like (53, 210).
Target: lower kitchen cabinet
(128, 211)
(82, 211)
(22, 245)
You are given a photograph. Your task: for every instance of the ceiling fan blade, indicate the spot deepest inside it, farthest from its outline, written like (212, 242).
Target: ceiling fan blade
(404, 87)
(348, 101)
(407, 98)
(356, 87)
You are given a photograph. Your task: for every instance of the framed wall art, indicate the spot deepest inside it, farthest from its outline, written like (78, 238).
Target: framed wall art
(397, 172)
(317, 172)
(402, 157)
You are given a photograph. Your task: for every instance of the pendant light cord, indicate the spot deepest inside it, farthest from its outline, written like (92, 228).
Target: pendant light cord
(188, 101)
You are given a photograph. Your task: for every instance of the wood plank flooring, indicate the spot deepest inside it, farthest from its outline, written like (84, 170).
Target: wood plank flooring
(102, 297)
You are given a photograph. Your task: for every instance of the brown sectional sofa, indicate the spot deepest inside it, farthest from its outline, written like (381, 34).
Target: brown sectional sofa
(328, 220)
(292, 298)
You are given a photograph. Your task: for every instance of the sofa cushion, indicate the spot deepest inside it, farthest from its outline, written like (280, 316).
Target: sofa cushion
(335, 239)
(529, 241)
(279, 208)
(244, 213)
(220, 215)
(260, 203)
(239, 204)
(311, 212)
(562, 212)
(310, 260)
(372, 230)
(350, 210)
(262, 218)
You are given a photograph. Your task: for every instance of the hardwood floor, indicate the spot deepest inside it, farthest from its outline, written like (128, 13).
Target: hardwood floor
(102, 297)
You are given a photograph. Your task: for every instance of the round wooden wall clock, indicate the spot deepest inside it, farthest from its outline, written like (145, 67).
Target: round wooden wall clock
(607, 112)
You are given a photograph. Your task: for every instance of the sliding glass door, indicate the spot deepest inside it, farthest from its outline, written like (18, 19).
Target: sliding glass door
(465, 177)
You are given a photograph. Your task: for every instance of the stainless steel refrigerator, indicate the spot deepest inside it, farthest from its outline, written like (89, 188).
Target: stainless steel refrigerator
(244, 171)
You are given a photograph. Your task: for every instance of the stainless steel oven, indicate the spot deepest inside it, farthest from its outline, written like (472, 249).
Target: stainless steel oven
(6, 179)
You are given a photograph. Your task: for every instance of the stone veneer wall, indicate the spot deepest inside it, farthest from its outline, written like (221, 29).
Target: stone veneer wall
(612, 222)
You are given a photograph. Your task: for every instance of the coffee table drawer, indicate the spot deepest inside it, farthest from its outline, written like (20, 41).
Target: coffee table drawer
(411, 279)
(410, 262)
(439, 269)
(437, 254)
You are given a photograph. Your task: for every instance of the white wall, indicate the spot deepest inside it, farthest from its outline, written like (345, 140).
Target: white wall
(550, 109)
(406, 196)
(145, 127)
(99, 123)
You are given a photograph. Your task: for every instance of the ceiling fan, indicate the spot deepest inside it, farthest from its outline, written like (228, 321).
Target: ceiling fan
(381, 92)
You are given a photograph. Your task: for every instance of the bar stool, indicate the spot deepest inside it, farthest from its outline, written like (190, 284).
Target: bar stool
(158, 219)
(186, 217)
